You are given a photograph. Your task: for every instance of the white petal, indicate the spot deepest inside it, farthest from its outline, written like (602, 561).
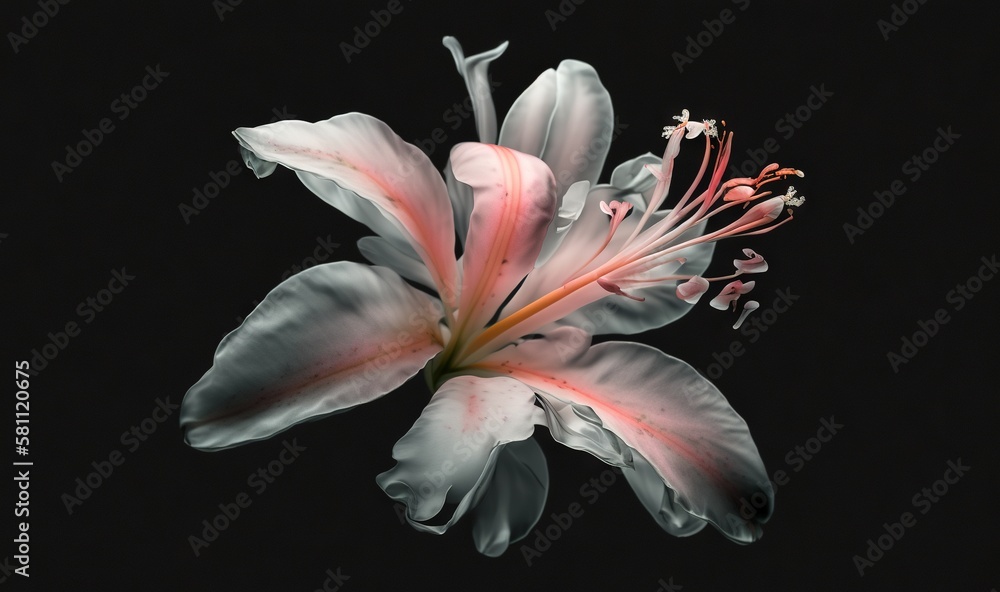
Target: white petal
(450, 453)
(381, 252)
(659, 500)
(474, 69)
(633, 176)
(327, 339)
(566, 119)
(569, 212)
(515, 498)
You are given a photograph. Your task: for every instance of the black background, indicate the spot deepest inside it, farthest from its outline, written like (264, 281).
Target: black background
(824, 357)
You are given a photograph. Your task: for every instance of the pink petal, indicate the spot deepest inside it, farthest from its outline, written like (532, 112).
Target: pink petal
(514, 204)
(658, 405)
(361, 154)
(325, 340)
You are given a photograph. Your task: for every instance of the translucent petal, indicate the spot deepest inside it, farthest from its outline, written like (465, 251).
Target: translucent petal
(658, 405)
(327, 339)
(474, 69)
(578, 127)
(659, 499)
(364, 156)
(381, 252)
(515, 498)
(450, 453)
(514, 204)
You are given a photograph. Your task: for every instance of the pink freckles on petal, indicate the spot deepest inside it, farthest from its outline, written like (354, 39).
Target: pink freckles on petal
(471, 419)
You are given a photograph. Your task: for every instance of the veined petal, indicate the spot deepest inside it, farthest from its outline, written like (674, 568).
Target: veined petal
(474, 70)
(514, 500)
(578, 131)
(658, 405)
(659, 500)
(325, 340)
(361, 154)
(450, 453)
(514, 204)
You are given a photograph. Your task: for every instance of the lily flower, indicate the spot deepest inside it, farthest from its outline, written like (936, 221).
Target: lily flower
(550, 258)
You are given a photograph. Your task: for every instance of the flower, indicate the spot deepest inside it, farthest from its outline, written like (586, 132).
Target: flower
(549, 259)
